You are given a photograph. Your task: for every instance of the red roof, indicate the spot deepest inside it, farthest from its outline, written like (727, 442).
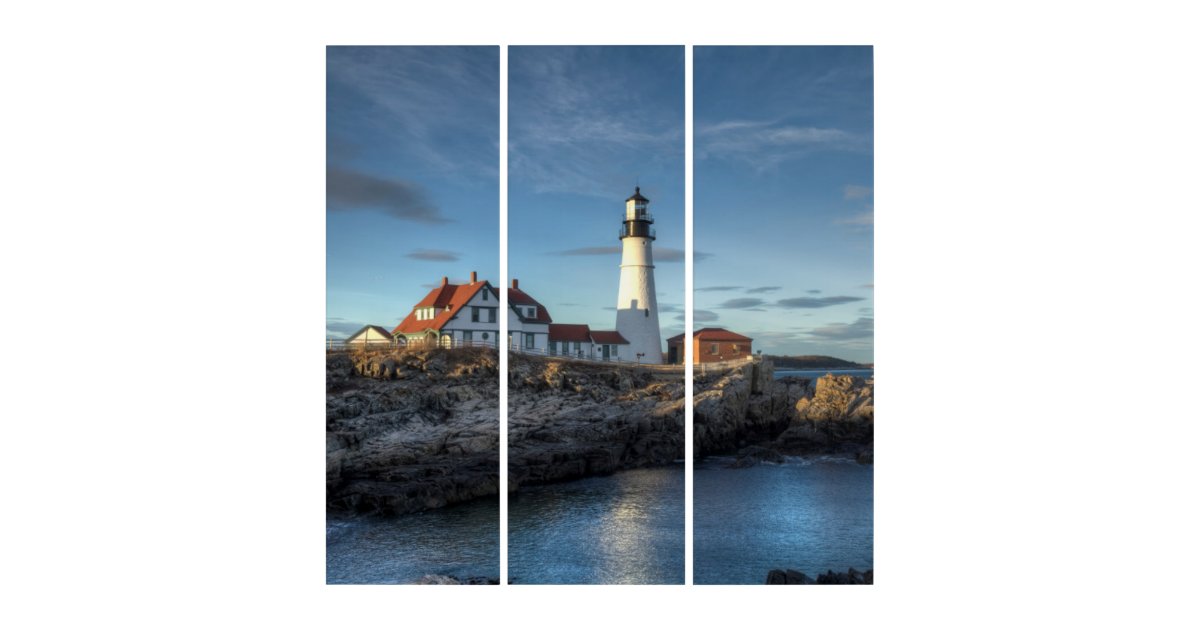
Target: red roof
(608, 336)
(454, 296)
(517, 297)
(570, 332)
(712, 334)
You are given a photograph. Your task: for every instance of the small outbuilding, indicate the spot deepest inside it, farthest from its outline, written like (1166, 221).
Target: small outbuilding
(710, 345)
(370, 336)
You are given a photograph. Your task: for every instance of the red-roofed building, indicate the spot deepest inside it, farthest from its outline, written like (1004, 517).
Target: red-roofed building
(710, 345)
(454, 314)
(529, 326)
(579, 341)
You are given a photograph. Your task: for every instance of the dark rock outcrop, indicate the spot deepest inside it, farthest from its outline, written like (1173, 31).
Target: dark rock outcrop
(744, 406)
(572, 419)
(737, 407)
(411, 430)
(779, 576)
(836, 414)
(452, 580)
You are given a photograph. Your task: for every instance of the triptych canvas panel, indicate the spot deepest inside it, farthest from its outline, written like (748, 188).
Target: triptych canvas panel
(579, 360)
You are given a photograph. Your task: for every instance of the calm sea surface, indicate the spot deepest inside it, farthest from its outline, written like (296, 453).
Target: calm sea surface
(461, 540)
(780, 373)
(625, 528)
(808, 514)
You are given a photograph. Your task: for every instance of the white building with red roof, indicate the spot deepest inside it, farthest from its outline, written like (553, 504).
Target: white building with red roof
(581, 342)
(454, 315)
(529, 321)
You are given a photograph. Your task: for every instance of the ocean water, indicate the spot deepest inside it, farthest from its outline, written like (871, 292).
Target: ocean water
(864, 373)
(808, 514)
(625, 528)
(461, 540)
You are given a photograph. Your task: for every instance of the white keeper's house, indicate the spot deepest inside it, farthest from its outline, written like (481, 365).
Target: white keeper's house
(453, 315)
(529, 328)
(532, 330)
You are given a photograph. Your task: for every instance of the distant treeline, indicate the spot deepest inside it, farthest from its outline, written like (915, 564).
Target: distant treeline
(812, 362)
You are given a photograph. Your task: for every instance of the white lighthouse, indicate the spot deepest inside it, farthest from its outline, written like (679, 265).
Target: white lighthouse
(637, 306)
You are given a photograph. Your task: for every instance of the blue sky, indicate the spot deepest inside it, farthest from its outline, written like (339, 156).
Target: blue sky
(784, 199)
(587, 124)
(412, 193)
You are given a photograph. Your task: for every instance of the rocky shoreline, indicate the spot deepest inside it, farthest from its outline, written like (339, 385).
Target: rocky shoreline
(413, 430)
(746, 412)
(788, 576)
(568, 420)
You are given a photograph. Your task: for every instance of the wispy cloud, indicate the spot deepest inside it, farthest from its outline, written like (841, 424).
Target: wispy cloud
(575, 122)
(864, 218)
(763, 289)
(720, 288)
(862, 328)
(742, 303)
(438, 104)
(347, 190)
(590, 251)
(868, 286)
(702, 315)
(766, 144)
(432, 254)
(853, 191)
(338, 328)
(813, 291)
(822, 302)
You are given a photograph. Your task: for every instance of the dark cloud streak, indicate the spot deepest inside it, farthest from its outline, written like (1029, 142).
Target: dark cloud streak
(347, 190)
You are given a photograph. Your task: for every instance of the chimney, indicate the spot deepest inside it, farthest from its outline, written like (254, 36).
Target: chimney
(515, 284)
(445, 280)
(472, 277)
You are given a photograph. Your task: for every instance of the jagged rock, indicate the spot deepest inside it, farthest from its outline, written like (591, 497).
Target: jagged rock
(572, 419)
(836, 414)
(450, 579)
(404, 437)
(778, 576)
(740, 406)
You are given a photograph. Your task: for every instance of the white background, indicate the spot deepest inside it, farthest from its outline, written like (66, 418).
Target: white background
(163, 257)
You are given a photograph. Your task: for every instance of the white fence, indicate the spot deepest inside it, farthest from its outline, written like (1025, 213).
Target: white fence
(340, 345)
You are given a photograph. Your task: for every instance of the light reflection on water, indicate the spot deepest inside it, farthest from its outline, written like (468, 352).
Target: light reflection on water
(461, 540)
(626, 528)
(812, 515)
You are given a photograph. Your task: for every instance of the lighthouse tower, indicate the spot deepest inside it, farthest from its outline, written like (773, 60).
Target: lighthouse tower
(637, 306)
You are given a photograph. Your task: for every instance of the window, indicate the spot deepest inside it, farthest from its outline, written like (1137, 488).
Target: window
(576, 346)
(712, 348)
(485, 336)
(486, 291)
(735, 348)
(467, 336)
(491, 315)
(474, 313)
(553, 347)
(529, 340)
(532, 311)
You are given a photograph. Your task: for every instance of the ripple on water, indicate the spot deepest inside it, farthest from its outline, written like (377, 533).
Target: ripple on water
(811, 514)
(626, 528)
(461, 540)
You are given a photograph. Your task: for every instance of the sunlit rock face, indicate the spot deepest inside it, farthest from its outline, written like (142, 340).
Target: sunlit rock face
(836, 414)
(568, 420)
(738, 407)
(745, 406)
(411, 430)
